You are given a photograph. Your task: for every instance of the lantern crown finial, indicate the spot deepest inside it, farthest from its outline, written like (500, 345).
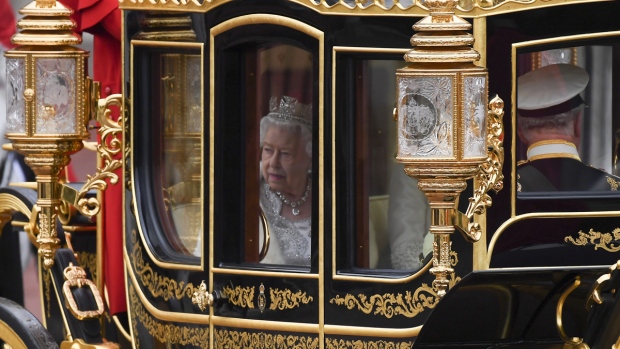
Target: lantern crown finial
(47, 23)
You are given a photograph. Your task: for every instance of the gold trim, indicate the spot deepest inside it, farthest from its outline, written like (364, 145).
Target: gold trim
(480, 8)
(242, 339)
(372, 331)
(240, 296)
(612, 183)
(286, 299)
(602, 240)
(390, 305)
(333, 343)
(10, 338)
(130, 151)
(165, 333)
(75, 276)
(158, 285)
(569, 341)
(11, 203)
(88, 261)
(515, 219)
(247, 272)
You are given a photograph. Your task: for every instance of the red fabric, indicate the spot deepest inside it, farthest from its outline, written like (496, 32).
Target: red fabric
(8, 27)
(102, 18)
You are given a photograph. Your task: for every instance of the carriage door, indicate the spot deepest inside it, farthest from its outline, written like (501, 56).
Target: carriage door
(266, 181)
(221, 250)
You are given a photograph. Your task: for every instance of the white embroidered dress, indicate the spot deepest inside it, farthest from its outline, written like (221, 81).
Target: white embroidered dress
(290, 239)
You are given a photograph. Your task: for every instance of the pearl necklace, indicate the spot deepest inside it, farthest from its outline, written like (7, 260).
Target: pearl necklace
(297, 203)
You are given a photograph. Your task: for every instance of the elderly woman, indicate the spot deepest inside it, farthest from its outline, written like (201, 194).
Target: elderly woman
(286, 180)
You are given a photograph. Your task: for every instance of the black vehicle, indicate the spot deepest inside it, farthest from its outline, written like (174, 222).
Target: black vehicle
(240, 232)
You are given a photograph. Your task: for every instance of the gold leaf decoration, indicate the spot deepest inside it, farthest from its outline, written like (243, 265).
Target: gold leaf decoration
(286, 299)
(331, 343)
(164, 332)
(390, 305)
(607, 241)
(158, 285)
(260, 340)
(240, 296)
(88, 261)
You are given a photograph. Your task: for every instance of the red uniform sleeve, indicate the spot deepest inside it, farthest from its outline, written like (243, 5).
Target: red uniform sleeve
(8, 26)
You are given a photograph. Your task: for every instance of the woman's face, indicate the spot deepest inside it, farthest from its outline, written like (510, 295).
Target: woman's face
(285, 162)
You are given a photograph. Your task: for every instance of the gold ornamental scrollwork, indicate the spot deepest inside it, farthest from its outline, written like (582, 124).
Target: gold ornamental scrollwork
(286, 299)
(607, 241)
(490, 176)
(110, 146)
(240, 296)
(332, 343)
(158, 285)
(238, 339)
(163, 332)
(390, 305)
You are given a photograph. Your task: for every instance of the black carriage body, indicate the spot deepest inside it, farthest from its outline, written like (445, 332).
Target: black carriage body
(347, 296)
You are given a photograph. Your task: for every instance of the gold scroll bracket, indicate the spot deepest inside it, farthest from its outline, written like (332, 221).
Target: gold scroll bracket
(489, 176)
(110, 146)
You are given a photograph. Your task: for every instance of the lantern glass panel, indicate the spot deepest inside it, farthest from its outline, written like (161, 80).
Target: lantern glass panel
(425, 112)
(474, 114)
(55, 96)
(15, 106)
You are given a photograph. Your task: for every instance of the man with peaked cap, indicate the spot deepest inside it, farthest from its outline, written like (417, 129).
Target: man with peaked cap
(549, 123)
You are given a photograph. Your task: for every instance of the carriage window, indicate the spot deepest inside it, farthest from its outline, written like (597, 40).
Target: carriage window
(568, 124)
(391, 219)
(181, 162)
(272, 119)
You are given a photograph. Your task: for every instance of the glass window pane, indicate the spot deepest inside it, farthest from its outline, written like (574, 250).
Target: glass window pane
(392, 216)
(284, 99)
(181, 162)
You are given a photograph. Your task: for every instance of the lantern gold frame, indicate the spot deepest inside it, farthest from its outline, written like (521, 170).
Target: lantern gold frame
(51, 102)
(446, 133)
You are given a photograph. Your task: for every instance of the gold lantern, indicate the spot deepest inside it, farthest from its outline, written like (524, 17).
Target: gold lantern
(50, 101)
(444, 137)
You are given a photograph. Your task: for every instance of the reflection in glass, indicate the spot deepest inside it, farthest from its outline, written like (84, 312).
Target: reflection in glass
(285, 146)
(562, 145)
(475, 116)
(392, 214)
(181, 108)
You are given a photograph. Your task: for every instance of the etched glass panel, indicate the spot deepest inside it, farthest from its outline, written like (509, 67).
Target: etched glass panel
(55, 96)
(474, 112)
(15, 106)
(425, 117)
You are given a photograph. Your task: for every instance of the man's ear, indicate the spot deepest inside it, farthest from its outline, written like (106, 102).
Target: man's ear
(577, 126)
(522, 136)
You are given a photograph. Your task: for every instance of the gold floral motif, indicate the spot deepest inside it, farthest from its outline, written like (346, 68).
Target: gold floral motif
(390, 305)
(254, 340)
(607, 241)
(240, 296)
(88, 261)
(332, 343)
(158, 285)
(490, 176)
(164, 332)
(47, 287)
(286, 299)
(613, 183)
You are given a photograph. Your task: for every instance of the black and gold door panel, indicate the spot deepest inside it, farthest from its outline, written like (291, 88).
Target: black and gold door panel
(210, 261)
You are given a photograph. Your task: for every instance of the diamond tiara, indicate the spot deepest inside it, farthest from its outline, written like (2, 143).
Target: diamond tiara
(287, 108)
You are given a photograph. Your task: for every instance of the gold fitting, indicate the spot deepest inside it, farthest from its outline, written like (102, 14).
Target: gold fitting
(46, 3)
(76, 277)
